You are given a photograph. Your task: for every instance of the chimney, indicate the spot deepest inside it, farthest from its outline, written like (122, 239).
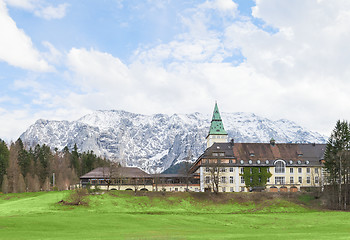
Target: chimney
(272, 142)
(232, 142)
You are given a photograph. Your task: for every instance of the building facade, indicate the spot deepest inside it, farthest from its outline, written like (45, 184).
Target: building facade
(221, 167)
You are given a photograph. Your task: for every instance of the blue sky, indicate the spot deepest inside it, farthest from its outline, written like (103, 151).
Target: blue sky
(276, 58)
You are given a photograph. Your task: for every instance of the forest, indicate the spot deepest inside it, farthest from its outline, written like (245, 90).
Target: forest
(40, 168)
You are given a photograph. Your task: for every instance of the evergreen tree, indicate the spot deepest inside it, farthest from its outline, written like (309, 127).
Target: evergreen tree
(337, 161)
(4, 160)
(74, 159)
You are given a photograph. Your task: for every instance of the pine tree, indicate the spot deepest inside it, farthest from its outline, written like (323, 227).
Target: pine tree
(337, 161)
(4, 160)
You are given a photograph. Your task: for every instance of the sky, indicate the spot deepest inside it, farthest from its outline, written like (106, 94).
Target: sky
(279, 59)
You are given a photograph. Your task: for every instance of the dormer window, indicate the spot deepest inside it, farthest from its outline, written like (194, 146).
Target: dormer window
(251, 154)
(216, 154)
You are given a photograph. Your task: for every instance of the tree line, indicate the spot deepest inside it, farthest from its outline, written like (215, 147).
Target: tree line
(41, 168)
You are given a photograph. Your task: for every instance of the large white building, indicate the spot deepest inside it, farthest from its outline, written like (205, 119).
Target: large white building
(292, 166)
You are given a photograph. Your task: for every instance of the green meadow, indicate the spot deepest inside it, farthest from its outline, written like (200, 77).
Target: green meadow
(122, 215)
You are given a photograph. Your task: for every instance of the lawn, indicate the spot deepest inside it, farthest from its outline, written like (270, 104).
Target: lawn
(121, 215)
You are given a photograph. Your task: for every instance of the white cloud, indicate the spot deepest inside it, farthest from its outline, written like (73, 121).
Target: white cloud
(51, 12)
(287, 74)
(300, 72)
(16, 48)
(41, 8)
(227, 6)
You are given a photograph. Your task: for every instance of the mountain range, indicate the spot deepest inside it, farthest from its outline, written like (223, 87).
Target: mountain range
(157, 142)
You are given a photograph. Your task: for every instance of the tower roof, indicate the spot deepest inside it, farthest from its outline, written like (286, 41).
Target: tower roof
(216, 126)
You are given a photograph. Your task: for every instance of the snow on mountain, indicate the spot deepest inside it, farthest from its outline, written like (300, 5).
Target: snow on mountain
(156, 142)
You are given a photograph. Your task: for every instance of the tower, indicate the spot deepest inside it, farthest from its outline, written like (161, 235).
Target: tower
(217, 133)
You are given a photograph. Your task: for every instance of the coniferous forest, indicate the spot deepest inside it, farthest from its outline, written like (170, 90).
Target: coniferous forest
(25, 169)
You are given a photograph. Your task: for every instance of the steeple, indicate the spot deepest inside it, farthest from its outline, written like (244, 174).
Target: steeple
(217, 131)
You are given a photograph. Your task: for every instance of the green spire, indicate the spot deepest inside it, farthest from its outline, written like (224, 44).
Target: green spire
(216, 126)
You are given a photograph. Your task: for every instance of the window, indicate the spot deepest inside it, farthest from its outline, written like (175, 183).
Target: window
(280, 166)
(223, 169)
(207, 179)
(251, 179)
(207, 169)
(221, 154)
(316, 179)
(291, 180)
(223, 189)
(223, 179)
(300, 170)
(231, 169)
(259, 170)
(316, 170)
(308, 170)
(242, 179)
(231, 179)
(242, 189)
(258, 161)
(291, 170)
(268, 180)
(215, 154)
(300, 180)
(230, 161)
(242, 170)
(279, 180)
(231, 189)
(308, 180)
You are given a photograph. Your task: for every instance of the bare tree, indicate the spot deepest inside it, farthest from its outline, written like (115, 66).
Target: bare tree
(215, 169)
(5, 184)
(185, 169)
(21, 183)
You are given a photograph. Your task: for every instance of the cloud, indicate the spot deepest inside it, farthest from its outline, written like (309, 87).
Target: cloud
(16, 48)
(41, 8)
(285, 73)
(51, 12)
(298, 71)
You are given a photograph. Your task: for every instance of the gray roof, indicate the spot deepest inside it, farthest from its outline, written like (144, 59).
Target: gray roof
(104, 172)
(257, 154)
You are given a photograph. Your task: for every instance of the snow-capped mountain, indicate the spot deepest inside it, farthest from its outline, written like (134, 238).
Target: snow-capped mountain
(156, 142)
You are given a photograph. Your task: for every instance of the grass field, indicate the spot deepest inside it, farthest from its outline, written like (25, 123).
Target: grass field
(122, 215)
